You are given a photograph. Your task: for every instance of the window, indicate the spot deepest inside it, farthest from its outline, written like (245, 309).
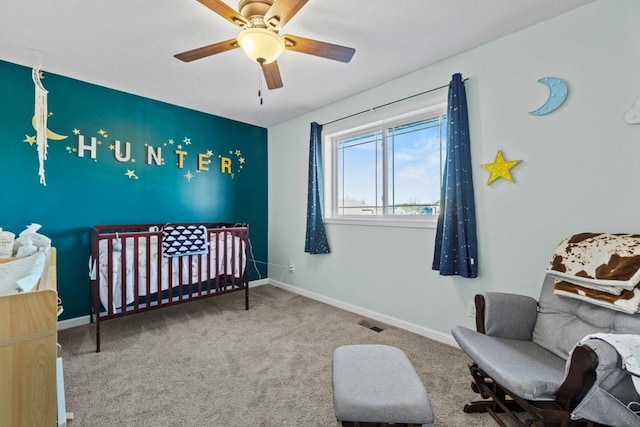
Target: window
(389, 171)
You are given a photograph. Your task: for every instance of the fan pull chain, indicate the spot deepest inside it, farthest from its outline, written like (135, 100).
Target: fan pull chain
(260, 86)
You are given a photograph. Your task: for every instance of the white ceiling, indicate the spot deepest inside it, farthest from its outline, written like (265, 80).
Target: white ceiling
(129, 45)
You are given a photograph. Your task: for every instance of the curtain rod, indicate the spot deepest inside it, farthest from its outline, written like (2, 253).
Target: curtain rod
(389, 103)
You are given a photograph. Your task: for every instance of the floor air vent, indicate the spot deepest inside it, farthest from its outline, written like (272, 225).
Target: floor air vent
(370, 325)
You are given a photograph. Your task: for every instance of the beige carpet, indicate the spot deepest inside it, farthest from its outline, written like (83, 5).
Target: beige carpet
(211, 363)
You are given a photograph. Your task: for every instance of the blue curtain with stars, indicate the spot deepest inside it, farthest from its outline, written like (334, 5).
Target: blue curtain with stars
(316, 238)
(456, 246)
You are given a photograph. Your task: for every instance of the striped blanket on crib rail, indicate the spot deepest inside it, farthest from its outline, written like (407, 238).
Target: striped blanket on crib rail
(600, 268)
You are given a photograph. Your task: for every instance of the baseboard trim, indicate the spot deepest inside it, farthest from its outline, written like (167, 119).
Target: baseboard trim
(255, 283)
(84, 320)
(393, 321)
(73, 322)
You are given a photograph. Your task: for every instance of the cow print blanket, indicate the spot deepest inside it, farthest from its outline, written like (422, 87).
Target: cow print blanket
(599, 268)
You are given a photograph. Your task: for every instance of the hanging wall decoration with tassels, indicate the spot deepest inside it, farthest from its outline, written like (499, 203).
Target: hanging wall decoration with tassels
(40, 121)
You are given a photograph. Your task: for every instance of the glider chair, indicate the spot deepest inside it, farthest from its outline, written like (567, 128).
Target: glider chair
(555, 361)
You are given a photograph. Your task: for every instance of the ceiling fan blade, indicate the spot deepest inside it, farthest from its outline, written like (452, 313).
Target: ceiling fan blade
(282, 11)
(318, 48)
(204, 51)
(222, 9)
(272, 75)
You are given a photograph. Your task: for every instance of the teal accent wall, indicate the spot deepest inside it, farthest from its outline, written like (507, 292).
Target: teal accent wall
(86, 191)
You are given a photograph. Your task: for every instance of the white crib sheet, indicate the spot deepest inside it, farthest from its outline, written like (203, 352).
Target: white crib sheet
(234, 254)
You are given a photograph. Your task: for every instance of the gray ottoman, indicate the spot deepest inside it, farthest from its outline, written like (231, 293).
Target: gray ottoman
(378, 384)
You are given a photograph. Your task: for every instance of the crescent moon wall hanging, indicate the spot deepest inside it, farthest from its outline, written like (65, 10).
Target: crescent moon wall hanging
(40, 121)
(50, 134)
(558, 92)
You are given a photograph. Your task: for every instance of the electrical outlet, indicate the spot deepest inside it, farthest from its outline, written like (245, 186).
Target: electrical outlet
(292, 267)
(471, 309)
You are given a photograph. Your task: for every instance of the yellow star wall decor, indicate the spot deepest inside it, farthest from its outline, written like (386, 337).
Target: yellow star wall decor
(30, 139)
(500, 168)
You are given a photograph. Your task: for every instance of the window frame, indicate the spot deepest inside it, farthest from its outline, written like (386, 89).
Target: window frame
(434, 106)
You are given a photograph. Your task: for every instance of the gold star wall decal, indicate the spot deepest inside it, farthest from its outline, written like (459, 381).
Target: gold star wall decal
(189, 176)
(500, 168)
(76, 131)
(30, 139)
(187, 141)
(131, 174)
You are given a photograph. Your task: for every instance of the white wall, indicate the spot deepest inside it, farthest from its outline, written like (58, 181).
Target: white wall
(580, 170)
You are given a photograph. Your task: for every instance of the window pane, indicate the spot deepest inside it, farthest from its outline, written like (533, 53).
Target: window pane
(414, 167)
(390, 170)
(359, 175)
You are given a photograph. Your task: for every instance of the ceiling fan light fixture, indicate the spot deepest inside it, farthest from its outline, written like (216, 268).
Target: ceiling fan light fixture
(261, 45)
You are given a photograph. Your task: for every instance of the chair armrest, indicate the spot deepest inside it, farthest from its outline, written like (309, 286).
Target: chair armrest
(606, 386)
(580, 376)
(609, 367)
(506, 315)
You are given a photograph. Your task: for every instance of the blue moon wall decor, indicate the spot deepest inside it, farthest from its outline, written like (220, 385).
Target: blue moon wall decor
(558, 92)
(632, 116)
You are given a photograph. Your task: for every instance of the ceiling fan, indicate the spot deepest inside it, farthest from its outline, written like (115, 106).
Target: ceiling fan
(261, 20)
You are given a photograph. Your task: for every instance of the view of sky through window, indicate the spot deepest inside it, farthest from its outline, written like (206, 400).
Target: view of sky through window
(413, 161)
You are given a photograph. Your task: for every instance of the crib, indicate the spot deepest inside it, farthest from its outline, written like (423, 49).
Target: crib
(141, 267)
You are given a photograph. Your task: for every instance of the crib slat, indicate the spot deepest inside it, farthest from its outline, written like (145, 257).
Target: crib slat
(217, 263)
(147, 266)
(159, 274)
(234, 251)
(170, 283)
(123, 278)
(208, 260)
(110, 276)
(200, 277)
(136, 275)
(180, 275)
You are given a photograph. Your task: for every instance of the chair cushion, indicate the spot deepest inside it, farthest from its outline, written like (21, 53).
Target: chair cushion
(562, 322)
(378, 383)
(522, 367)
